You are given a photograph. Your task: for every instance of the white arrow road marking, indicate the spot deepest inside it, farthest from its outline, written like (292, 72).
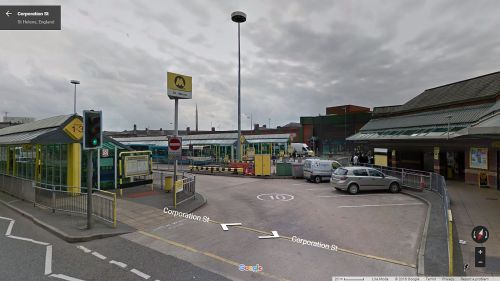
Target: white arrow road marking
(140, 273)
(48, 260)
(120, 264)
(275, 235)
(86, 250)
(225, 225)
(8, 13)
(65, 277)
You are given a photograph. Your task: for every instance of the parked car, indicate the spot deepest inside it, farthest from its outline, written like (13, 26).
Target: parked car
(354, 179)
(316, 170)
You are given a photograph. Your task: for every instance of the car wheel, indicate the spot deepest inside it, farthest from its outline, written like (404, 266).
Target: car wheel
(353, 188)
(394, 187)
(317, 179)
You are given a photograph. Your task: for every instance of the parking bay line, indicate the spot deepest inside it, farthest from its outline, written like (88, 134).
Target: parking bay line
(357, 195)
(381, 205)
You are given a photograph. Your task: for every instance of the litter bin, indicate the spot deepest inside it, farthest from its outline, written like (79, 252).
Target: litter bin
(283, 169)
(169, 183)
(298, 170)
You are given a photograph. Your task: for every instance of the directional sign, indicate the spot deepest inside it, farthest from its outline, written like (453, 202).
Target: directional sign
(179, 86)
(275, 235)
(480, 234)
(174, 147)
(74, 129)
(225, 225)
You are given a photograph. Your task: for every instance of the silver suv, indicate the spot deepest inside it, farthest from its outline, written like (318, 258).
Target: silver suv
(354, 179)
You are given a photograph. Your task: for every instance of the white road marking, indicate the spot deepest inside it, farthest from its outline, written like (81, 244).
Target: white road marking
(4, 218)
(275, 235)
(318, 188)
(384, 205)
(48, 260)
(15, 200)
(65, 277)
(28, 239)
(86, 250)
(9, 229)
(120, 264)
(96, 254)
(354, 196)
(140, 274)
(224, 225)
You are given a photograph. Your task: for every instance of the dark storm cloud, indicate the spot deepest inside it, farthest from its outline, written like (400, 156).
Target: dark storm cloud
(298, 57)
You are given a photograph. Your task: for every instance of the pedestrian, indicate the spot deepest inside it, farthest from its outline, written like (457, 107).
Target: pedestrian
(355, 160)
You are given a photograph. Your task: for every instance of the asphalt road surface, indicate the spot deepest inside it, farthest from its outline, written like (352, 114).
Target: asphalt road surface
(28, 252)
(375, 233)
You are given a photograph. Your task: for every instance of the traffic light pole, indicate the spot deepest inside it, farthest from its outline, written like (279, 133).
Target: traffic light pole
(176, 128)
(89, 188)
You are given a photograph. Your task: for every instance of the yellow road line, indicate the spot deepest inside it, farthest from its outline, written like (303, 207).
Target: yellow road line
(208, 254)
(339, 249)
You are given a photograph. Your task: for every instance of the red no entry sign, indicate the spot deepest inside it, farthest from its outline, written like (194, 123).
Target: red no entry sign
(174, 143)
(174, 147)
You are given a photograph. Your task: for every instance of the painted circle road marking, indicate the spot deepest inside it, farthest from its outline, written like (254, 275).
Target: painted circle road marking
(275, 197)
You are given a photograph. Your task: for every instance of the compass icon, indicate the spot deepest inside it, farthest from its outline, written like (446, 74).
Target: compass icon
(480, 234)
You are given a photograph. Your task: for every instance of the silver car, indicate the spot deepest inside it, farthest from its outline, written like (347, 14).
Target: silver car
(354, 179)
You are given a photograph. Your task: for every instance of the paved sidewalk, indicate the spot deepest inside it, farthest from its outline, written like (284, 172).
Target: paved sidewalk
(472, 206)
(69, 227)
(434, 239)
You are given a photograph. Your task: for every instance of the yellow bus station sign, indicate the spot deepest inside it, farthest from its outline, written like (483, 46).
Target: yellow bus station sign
(74, 129)
(179, 86)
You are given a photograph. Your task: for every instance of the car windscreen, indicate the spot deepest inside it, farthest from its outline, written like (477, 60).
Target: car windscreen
(340, 172)
(375, 173)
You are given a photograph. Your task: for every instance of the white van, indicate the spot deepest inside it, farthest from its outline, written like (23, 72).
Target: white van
(316, 170)
(301, 149)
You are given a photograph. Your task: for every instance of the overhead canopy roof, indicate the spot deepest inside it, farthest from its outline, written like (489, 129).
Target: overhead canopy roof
(43, 131)
(270, 136)
(463, 115)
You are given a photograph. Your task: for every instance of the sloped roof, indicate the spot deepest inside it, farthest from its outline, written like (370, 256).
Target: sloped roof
(480, 87)
(463, 115)
(47, 123)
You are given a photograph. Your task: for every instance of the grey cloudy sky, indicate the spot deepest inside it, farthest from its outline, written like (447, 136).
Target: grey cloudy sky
(297, 57)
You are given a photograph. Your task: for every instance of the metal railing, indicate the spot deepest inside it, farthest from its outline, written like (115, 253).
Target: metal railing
(58, 198)
(409, 178)
(185, 185)
(430, 181)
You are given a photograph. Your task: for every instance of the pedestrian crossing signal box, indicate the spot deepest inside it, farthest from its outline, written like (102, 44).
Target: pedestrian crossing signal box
(92, 129)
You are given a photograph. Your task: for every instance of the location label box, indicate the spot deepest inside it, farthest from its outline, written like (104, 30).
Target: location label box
(30, 17)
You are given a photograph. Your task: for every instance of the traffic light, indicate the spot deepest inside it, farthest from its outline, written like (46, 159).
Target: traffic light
(92, 127)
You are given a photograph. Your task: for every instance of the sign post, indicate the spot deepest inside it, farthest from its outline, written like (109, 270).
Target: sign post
(178, 87)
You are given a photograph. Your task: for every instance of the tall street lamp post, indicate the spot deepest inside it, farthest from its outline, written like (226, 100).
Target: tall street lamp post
(239, 17)
(75, 82)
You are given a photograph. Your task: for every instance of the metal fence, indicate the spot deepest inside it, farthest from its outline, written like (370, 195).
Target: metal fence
(186, 181)
(409, 178)
(17, 187)
(57, 198)
(429, 181)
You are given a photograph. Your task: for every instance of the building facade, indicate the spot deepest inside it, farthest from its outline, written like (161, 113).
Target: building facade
(326, 134)
(453, 130)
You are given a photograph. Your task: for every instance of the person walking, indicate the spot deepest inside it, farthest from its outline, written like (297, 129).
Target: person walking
(355, 160)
